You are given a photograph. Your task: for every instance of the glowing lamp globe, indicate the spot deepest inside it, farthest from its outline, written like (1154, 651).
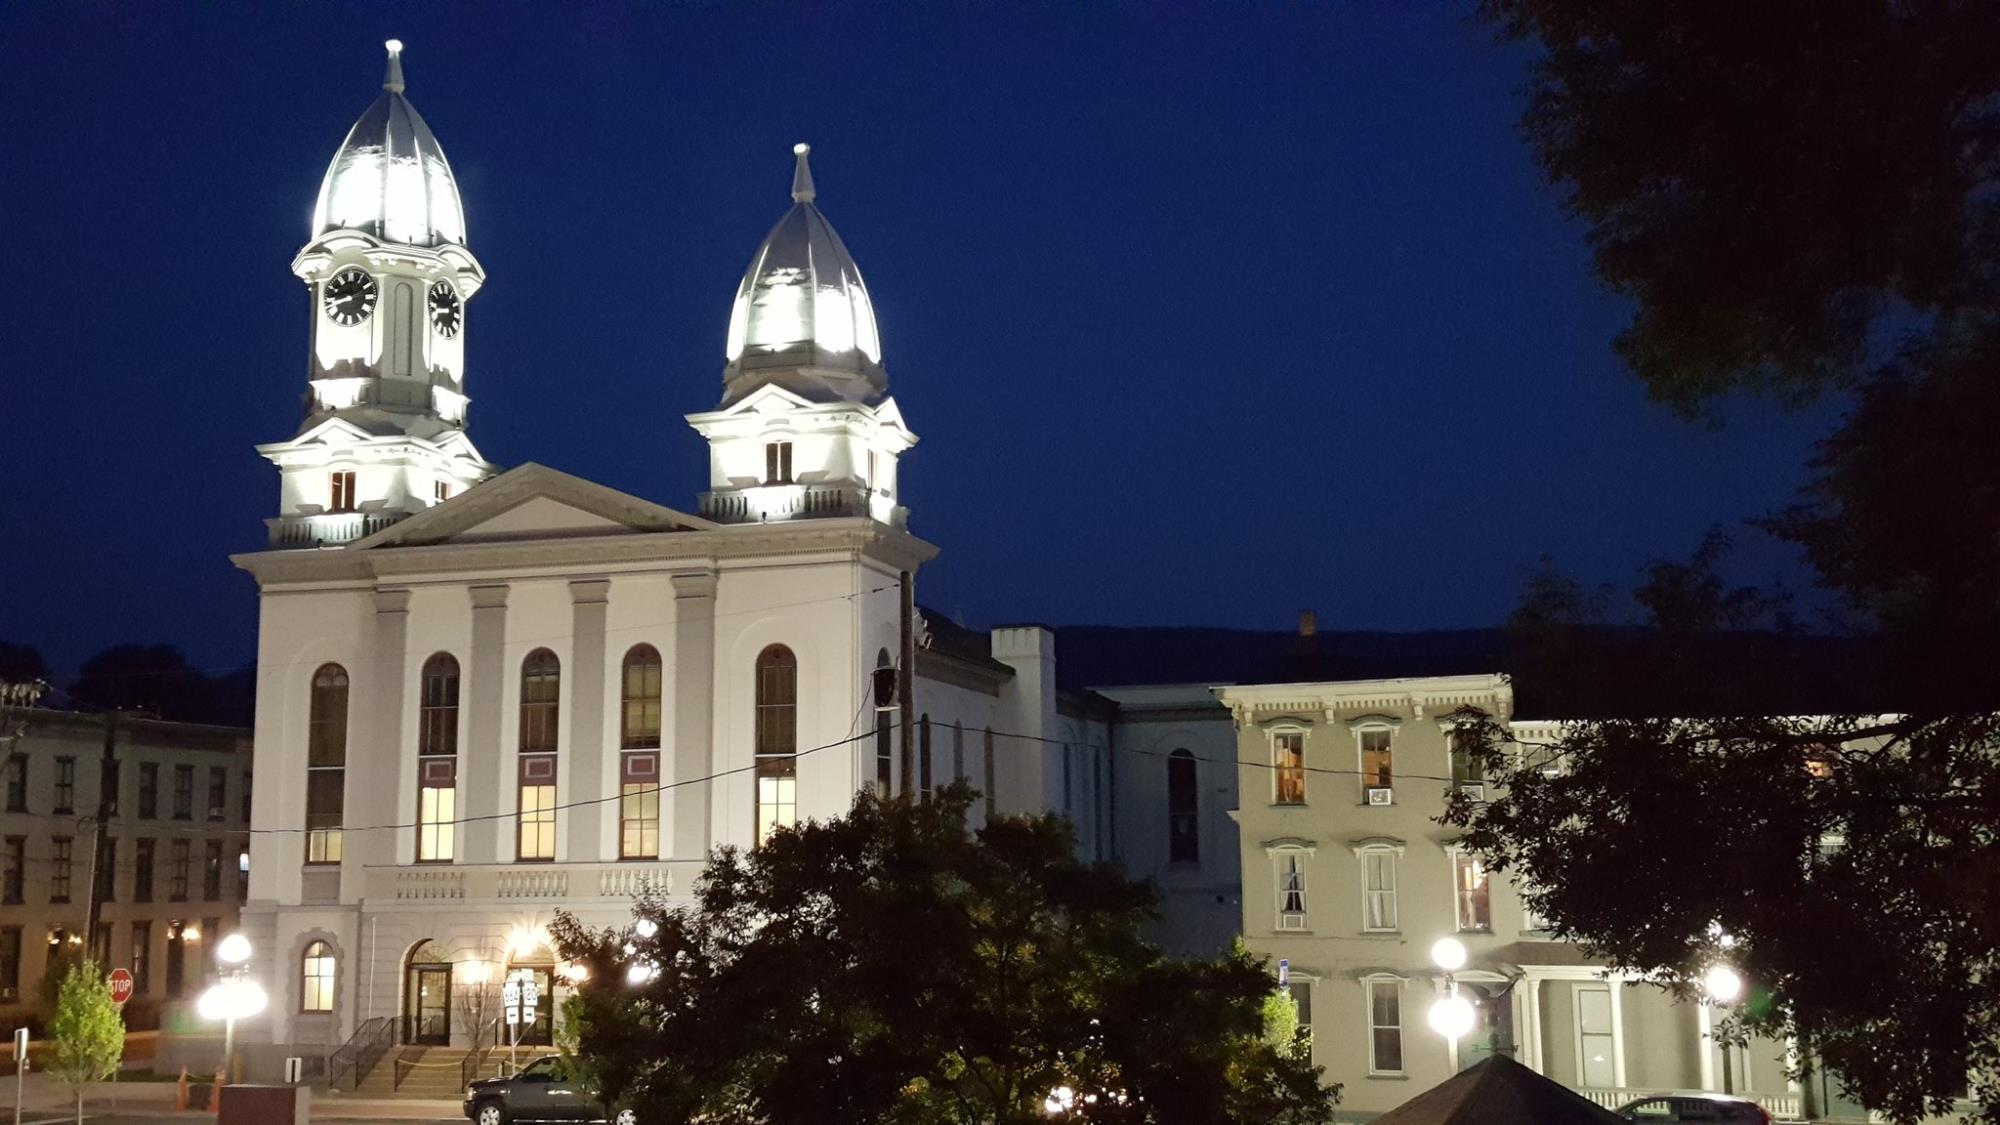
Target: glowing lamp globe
(1448, 954)
(1453, 1016)
(645, 927)
(234, 950)
(232, 1000)
(1723, 984)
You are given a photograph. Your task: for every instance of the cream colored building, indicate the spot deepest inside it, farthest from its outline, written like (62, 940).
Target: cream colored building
(1349, 879)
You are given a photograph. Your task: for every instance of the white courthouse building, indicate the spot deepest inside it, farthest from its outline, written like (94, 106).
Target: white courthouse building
(485, 696)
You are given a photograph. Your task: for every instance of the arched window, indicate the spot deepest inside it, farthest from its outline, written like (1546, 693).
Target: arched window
(541, 694)
(777, 740)
(316, 976)
(639, 723)
(885, 724)
(437, 759)
(1183, 809)
(326, 763)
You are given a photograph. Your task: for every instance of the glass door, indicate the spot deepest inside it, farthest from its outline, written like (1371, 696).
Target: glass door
(540, 1031)
(427, 1014)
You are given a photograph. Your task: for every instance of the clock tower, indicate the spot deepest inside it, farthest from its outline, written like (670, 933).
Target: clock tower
(389, 276)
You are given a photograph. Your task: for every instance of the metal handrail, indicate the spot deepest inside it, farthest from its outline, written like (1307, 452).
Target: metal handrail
(362, 1050)
(482, 1041)
(406, 1061)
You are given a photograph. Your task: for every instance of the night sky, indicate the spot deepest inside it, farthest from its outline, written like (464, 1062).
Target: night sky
(1204, 315)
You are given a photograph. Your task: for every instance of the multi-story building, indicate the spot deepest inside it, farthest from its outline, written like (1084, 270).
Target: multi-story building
(171, 874)
(1350, 879)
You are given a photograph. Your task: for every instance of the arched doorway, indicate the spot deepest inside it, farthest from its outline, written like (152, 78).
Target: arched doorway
(427, 995)
(531, 959)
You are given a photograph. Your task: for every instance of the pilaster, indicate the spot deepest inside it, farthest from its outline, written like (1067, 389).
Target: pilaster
(588, 754)
(483, 692)
(694, 704)
(376, 778)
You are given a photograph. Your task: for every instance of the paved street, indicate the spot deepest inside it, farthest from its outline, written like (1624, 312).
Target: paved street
(152, 1103)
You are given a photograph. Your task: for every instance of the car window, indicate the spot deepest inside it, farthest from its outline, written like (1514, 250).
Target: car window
(541, 1070)
(1654, 1109)
(1741, 1111)
(1697, 1109)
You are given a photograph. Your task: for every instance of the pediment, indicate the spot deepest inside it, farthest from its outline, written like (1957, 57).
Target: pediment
(533, 503)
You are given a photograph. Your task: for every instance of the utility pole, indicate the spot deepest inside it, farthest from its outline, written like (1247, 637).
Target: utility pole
(906, 675)
(107, 797)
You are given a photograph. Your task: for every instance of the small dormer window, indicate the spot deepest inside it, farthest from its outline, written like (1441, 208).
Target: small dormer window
(341, 492)
(778, 462)
(441, 491)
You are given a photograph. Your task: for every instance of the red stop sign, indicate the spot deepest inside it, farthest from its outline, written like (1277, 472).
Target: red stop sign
(120, 981)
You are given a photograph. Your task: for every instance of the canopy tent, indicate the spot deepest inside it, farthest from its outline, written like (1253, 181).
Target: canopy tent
(1499, 1091)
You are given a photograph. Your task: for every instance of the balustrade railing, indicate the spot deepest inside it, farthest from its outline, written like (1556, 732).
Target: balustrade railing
(553, 882)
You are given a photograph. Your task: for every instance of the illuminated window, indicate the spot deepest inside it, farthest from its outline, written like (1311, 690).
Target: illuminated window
(541, 694)
(437, 813)
(537, 822)
(777, 704)
(1473, 893)
(142, 958)
(340, 491)
(639, 807)
(778, 462)
(326, 764)
(316, 976)
(639, 720)
(1385, 1027)
(1595, 1043)
(1376, 758)
(1378, 889)
(1288, 756)
(1183, 809)
(437, 759)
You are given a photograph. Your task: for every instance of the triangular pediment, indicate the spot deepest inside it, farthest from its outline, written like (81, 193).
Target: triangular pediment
(532, 503)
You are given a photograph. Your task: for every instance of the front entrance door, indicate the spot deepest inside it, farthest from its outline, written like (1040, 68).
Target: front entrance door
(427, 1006)
(539, 1030)
(1493, 1033)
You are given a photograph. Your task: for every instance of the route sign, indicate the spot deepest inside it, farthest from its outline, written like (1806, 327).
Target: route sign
(1284, 971)
(122, 984)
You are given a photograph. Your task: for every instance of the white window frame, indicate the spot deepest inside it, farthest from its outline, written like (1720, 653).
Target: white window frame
(1579, 1053)
(1360, 728)
(1271, 735)
(1392, 851)
(1368, 986)
(1457, 895)
(1280, 851)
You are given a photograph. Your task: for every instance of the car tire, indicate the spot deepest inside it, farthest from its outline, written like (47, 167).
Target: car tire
(490, 1112)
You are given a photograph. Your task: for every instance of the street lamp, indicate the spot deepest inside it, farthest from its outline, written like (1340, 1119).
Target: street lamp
(234, 996)
(1451, 1015)
(1724, 986)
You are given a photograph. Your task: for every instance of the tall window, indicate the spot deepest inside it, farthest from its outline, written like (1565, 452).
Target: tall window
(885, 724)
(65, 785)
(924, 760)
(10, 963)
(142, 871)
(777, 734)
(316, 976)
(149, 789)
(177, 872)
(1378, 889)
(1595, 1043)
(992, 771)
(1385, 1027)
(13, 868)
(59, 861)
(639, 720)
(1291, 890)
(1376, 763)
(1288, 754)
(1183, 809)
(536, 839)
(211, 870)
(1302, 1004)
(541, 696)
(340, 491)
(17, 783)
(326, 764)
(183, 792)
(142, 958)
(639, 806)
(1475, 902)
(107, 786)
(778, 462)
(437, 759)
(107, 872)
(218, 792)
(1465, 768)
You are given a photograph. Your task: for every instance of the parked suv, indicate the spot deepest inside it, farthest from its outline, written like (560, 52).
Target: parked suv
(540, 1092)
(1711, 1109)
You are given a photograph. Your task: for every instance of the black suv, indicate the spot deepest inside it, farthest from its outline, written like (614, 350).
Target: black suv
(540, 1092)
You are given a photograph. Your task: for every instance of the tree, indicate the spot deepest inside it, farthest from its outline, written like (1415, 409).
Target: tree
(88, 1034)
(21, 663)
(891, 966)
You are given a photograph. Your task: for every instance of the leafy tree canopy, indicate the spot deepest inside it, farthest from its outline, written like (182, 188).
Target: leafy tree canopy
(891, 966)
(88, 1033)
(157, 680)
(21, 663)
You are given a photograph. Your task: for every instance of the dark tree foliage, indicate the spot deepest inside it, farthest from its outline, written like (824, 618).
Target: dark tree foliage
(893, 967)
(21, 664)
(157, 680)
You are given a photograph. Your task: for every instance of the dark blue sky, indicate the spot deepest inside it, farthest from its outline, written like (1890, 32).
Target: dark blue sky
(1203, 314)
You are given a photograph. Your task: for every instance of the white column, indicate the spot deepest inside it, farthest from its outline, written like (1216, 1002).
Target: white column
(693, 746)
(1705, 1021)
(1617, 1032)
(591, 757)
(1532, 1055)
(482, 690)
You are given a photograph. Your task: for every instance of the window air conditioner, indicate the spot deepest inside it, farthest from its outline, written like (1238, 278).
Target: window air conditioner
(1473, 790)
(1291, 920)
(1381, 796)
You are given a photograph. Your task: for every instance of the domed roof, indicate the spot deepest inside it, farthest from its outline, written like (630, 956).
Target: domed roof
(390, 178)
(802, 300)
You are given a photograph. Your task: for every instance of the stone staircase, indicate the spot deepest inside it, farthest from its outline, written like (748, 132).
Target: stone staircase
(428, 1072)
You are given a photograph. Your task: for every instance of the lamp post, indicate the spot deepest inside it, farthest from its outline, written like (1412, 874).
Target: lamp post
(1451, 1015)
(1724, 986)
(234, 996)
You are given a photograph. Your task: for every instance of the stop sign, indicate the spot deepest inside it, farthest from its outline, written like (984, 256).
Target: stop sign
(121, 985)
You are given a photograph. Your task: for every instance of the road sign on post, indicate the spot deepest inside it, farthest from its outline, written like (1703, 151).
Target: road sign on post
(121, 984)
(1284, 971)
(531, 998)
(510, 997)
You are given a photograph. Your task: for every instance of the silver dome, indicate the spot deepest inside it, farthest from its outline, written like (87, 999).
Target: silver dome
(802, 302)
(390, 178)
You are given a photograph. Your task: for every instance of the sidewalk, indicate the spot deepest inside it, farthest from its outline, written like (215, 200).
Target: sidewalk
(46, 1100)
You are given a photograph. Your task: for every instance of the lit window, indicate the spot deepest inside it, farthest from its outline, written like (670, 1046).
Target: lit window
(1376, 771)
(1595, 1043)
(340, 489)
(1288, 750)
(778, 462)
(1378, 890)
(1291, 890)
(437, 759)
(437, 812)
(1473, 893)
(1183, 809)
(1385, 1027)
(538, 822)
(777, 740)
(326, 764)
(639, 718)
(316, 979)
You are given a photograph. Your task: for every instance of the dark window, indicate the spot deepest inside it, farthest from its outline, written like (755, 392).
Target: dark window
(59, 861)
(176, 960)
(65, 785)
(885, 724)
(211, 870)
(142, 958)
(149, 790)
(13, 869)
(107, 873)
(246, 796)
(541, 700)
(10, 964)
(326, 764)
(177, 872)
(778, 462)
(1183, 809)
(340, 487)
(17, 783)
(639, 722)
(142, 872)
(107, 786)
(218, 792)
(100, 944)
(924, 756)
(777, 719)
(437, 714)
(183, 792)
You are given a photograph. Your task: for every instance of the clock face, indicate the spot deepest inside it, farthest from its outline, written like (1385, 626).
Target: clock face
(349, 296)
(446, 313)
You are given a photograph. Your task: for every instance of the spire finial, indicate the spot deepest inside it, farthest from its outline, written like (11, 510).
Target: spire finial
(393, 82)
(802, 178)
